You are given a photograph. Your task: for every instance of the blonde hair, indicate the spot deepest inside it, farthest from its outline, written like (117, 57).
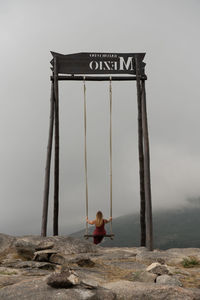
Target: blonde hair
(99, 219)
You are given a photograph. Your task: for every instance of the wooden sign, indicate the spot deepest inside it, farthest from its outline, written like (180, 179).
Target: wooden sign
(99, 63)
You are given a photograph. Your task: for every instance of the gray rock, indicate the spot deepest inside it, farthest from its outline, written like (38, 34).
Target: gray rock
(147, 291)
(104, 294)
(126, 265)
(78, 259)
(150, 257)
(142, 276)
(43, 255)
(117, 253)
(25, 249)
(6, 241)
(70, 245)
(60, 280)
(94, 272)
(58, 259)
(170, 256)
(157, 268)
(31, 265)
(64, 244)
(84, 262)
(33, 289)
(91, 276)
(44, 245)
(166, 279)
(89, 283)
(9, 280)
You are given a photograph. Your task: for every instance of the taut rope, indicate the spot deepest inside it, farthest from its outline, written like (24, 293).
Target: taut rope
(85, 152)
(110, 89)
(85, 144)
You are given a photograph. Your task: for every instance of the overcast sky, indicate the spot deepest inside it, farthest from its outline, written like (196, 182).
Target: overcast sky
(168, 31)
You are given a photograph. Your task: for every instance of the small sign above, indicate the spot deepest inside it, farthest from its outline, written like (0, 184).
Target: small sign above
(99, 63)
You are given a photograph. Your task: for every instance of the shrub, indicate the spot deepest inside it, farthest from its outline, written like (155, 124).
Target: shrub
(190, 262)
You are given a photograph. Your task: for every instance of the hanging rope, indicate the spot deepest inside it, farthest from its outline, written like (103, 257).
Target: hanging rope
(85, 144)
(85, 147)
(110, 152)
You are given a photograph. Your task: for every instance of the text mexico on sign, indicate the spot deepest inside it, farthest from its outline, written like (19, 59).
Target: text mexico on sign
(99, 63)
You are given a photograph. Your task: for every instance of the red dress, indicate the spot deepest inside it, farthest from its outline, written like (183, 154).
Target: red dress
(99, 233)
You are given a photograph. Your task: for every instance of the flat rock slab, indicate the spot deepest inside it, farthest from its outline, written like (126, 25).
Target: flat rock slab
(44, 246)
(31, 265)
(170, 256)
(141, 291)
(142, 276)
(6, 280)
(43, 255)
(127, 265)
(38, 289)
(91, 274)
(118, 253)
(83, 260)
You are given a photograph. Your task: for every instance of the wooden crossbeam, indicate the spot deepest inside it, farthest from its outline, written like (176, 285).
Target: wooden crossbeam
(97, 78)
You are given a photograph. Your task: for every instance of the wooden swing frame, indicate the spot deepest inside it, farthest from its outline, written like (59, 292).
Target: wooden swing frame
(100, 64)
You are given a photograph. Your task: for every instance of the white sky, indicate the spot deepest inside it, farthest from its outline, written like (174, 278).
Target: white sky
(168, 31)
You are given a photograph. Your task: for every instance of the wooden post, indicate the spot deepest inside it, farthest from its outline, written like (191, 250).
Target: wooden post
(141, 161)
(48, 166)
(56, 163)
(149, 221)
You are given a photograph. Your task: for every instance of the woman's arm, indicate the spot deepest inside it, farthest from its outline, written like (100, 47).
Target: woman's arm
(90, 222)
(109, 220)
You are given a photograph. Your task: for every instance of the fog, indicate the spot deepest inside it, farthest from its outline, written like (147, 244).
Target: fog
(168, 31)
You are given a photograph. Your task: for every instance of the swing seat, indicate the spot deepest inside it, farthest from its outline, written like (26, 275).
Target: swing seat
(105, 235)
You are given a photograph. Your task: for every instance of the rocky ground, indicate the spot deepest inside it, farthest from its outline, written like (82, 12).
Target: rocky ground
(32, 267)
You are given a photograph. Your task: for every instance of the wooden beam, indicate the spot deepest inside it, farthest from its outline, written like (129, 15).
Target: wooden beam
(141, 163)
(56, 163)
(97, 78)
(48, 166)
(149, 221)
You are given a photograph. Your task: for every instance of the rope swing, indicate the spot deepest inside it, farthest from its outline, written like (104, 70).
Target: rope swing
(110, 89)
(85, 152)
(85, 156)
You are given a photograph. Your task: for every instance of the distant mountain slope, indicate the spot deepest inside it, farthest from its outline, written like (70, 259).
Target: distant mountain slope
(172, 229)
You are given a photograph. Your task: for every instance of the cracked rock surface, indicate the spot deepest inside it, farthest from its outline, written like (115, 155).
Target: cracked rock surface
(61, 267)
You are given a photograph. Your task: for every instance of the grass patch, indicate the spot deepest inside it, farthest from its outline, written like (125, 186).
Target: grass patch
(8, 273)
(190, 262)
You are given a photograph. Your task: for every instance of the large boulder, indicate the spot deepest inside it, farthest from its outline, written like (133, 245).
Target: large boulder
(69, 245)
(170, 280)
(25, 249)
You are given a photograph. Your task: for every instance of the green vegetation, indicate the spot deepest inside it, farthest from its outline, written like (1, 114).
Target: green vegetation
(7, 272)
(190, 262)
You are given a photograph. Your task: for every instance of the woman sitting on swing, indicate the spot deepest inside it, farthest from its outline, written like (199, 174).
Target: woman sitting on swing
(99, 231)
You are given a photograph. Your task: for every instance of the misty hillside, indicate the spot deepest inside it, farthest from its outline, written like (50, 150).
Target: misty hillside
(172, 229)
